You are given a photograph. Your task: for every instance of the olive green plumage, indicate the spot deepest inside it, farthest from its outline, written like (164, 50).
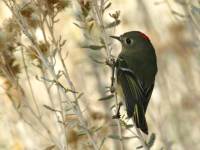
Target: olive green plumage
(136, 69)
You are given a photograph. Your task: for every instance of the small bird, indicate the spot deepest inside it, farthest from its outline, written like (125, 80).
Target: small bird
(136, 68)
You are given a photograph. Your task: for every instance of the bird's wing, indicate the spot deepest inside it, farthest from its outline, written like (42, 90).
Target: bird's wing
(148, 91)
(133, 93)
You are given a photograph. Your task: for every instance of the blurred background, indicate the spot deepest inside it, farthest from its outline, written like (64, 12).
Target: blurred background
(173, 113)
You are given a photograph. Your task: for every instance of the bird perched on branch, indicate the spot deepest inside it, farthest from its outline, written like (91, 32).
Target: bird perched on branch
(136, 70)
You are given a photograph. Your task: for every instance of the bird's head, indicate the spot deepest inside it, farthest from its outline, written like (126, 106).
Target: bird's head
(133, 39)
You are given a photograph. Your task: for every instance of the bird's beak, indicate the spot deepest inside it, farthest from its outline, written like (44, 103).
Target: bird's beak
(116, 37)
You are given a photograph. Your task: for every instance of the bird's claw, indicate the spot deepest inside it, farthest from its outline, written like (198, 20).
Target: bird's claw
(116, 116)
(112, 89)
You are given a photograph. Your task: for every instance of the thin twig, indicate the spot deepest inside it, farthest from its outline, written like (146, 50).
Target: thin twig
(119, 125)
(99, 20)
(77, 107)
(30, 84)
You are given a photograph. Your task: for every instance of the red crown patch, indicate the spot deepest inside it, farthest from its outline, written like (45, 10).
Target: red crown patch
(144, 36)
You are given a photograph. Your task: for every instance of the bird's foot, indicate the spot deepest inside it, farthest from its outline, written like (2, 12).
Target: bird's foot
(117, 115)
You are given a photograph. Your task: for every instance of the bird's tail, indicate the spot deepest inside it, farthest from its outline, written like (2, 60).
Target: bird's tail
(139, 119)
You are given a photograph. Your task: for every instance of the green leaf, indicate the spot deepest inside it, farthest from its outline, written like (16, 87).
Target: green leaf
(91, 26)
(79, 96)
(114, 137)
(128, 137)
(151, 140)
(117, 137)
(97, 129)
(128, 126)
(102, 142)
(93, 47)
(106, 97)
(81, 133)
(107, 6)
(50, 108)
(139, 147)
(79, 26)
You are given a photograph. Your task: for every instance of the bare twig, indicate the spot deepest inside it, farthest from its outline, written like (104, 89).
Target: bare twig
(30, 84)
(77, 107)
(98, 15)
(119, 125)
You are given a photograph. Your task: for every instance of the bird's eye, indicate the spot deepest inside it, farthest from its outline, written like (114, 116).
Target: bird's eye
(128, 41)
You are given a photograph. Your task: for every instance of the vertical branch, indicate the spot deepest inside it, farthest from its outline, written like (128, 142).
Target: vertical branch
(98, 15)
(119, 125)
(63, 116)
(77, 106)
(54, 106)
(30, 85)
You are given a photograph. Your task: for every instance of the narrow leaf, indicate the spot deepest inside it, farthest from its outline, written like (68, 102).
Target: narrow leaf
(79, 96)
(91, 26)
(51, 109)
(102, 142)
(115, 137)
(81, 133)
(151, 140)
(128, 138)
(97, 129)
(107, 6)
(106, 97)
(79, 26)
(93, 47)
(139, 147)
(128, 126)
